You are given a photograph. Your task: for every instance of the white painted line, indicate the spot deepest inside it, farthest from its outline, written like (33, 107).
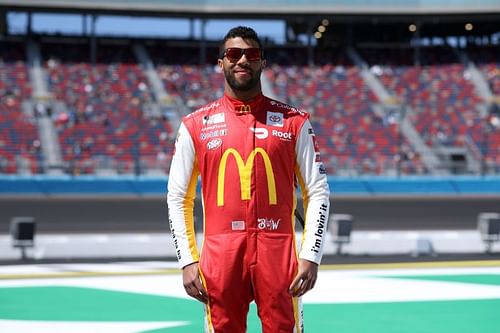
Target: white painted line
(332, 286)
(31, 326)
(331, 289)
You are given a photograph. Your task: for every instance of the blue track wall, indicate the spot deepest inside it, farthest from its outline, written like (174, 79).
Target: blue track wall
(147, 186)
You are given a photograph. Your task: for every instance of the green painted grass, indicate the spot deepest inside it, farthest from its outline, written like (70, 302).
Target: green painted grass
(488, 279)
(82, 304)
(478, 316)
(87, 304)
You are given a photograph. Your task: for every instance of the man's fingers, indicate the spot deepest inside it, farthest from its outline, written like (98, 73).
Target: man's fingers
(305, 287)
(193, 291)
(301, 285)
(294, 286)
(192, 283)
(200, 287)
(200, 298)
(301, 289)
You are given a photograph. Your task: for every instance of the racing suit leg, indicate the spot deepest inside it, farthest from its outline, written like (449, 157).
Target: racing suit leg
(276, 267)
(227, 281)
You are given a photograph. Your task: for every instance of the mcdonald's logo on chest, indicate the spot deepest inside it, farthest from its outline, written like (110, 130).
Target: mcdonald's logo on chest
(244, 173)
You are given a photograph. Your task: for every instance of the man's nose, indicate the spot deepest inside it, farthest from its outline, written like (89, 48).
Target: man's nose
(243, 59)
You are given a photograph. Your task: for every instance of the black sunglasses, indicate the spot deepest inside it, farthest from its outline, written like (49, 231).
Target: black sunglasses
(233, 54)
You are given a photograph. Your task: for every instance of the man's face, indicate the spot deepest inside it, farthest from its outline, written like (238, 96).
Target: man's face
(241, 74)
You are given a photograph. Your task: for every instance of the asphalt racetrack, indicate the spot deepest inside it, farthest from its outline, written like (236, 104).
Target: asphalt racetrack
(132, 214)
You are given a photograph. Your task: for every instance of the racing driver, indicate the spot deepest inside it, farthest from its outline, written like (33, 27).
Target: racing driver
(251, 153)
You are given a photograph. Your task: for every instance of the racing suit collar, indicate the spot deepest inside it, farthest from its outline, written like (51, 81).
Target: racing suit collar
(244, 107)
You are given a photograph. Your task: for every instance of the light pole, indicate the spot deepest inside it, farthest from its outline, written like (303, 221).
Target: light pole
(401, 118)
(484, 150)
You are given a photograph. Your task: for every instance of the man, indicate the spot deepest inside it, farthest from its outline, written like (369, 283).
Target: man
(251, 153)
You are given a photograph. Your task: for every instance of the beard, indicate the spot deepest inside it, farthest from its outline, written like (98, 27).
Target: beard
(242, 85)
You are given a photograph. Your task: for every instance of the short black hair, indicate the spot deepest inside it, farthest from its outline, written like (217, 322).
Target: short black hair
(244, 33)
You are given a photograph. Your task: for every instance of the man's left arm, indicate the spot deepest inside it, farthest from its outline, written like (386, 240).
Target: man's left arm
(313, 181)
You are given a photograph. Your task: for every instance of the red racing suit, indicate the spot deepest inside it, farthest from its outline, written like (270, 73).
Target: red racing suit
(251, 158)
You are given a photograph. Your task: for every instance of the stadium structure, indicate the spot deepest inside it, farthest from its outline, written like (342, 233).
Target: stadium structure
(394, 88)
(403, 96)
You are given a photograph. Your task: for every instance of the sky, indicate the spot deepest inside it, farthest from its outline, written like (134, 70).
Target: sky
(140, 26)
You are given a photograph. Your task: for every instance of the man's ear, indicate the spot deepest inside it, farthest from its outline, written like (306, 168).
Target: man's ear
(264, 63)
(220, 62)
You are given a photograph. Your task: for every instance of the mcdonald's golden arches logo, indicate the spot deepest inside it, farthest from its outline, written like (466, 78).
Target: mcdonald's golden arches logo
(245, 173)
(245, 108)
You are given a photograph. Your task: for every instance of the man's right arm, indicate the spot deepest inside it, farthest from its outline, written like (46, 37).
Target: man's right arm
(181, 192)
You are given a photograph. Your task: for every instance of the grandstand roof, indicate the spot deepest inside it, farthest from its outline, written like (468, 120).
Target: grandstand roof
(353, 20)
(230, 8)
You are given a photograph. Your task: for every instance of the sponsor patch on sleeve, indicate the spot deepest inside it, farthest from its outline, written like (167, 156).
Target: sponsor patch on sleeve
(321, 169)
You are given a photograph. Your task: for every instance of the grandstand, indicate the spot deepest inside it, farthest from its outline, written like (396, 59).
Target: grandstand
(400, 104)
(404, 97)
(405, 107)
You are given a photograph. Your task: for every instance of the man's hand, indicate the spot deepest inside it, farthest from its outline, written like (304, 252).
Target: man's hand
(192, 283)
(305, 279)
